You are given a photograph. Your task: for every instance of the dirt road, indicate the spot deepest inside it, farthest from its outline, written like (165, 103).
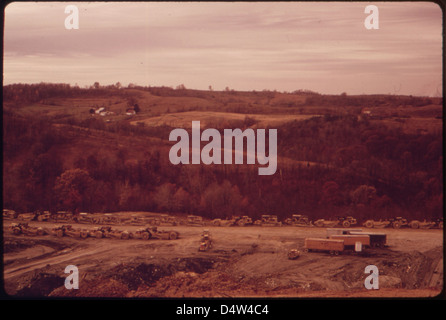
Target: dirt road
(244, 262)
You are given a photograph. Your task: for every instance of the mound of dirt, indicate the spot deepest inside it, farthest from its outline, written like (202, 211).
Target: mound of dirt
(135, 275)
(40, 285)
(126, 278)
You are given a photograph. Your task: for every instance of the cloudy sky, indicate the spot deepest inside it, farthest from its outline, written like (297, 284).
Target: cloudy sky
(285, 46)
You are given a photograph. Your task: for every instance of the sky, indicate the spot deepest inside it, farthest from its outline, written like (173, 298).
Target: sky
(285, 46)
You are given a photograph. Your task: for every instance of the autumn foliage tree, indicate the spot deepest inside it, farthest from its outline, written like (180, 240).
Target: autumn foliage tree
(73, 189)
(221, 200)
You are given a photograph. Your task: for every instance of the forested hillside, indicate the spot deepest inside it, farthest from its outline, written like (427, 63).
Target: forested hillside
(58, 154)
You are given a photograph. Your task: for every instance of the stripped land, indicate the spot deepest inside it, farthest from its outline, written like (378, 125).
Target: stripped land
(243, 262)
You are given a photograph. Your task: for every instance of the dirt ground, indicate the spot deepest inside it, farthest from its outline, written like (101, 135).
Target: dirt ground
(246, 261)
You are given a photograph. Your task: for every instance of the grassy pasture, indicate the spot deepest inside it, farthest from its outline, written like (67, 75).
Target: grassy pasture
(217, 119)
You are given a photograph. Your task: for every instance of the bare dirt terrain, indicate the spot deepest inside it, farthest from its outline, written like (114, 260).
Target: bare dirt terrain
(246, 261)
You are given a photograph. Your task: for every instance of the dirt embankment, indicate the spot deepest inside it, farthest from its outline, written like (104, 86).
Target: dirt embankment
(244, 262)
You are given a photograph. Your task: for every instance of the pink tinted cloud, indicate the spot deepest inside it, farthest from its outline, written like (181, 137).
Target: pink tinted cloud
(322, 46)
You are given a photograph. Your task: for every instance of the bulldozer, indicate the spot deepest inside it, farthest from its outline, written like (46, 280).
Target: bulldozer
(293, 254)
(205, 241)
(24, 228)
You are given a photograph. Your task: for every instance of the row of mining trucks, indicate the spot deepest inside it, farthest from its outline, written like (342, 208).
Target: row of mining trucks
(145, 233)
(339, 240)
(399, 222)
(296, 220)
(349, 221)
(91, 218)
(192, 220)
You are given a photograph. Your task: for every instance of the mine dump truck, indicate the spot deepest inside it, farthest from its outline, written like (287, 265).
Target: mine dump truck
(332, 246)
(165, 235)
(416, 224)
(240, 221)
(153, 233)
(28, 216)
(347, 221)
(41, 216)
(142, 233)
(222, 222)
(106, 218)
(326, 223)
(108, 232)
(194, 220)
(342, 221)
(298, 220)
(109, 218)
(62, 216)
(376, 224)
(267, 220)
(134, 220)
(168, 220)
(399, 222)
(9, 214)
(69, 231)
(438, 223)
(85, 217)
(205, 241)
(35, 216)
(24, 228)
(97, 232)
(153, 221)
